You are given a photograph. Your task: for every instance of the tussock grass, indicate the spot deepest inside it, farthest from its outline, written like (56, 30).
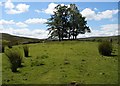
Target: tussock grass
(15, 58)
(26, 50)
(105, 48)
(2, 48)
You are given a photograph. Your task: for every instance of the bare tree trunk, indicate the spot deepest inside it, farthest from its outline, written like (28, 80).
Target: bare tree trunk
(73, 34)
(69, 36)
(75, 37)
(59, 35)
(62, 34)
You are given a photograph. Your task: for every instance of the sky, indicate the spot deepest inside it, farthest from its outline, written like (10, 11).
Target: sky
(28, 19)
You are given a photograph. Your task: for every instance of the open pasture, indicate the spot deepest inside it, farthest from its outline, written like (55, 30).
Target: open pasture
(63, 63)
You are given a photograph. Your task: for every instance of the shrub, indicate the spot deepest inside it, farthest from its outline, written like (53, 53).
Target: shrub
(15, 59)
(99, 40)
(5, 42)
(10, 45)
(2, 48)
(105, 48)
(26, 50)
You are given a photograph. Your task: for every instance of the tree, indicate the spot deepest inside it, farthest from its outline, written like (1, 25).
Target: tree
(77, 22)
(67, 21)
(58, 22)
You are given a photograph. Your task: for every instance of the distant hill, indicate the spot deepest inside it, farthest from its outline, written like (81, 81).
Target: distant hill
(24, 40)
(114, 38)
(9, 37)
(17, 39)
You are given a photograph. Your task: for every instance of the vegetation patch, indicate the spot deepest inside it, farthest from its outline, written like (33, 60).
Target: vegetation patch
(105, 48)
(44, 56)
(26, 50)
(62, 65)
(37, 63)
(15, 59)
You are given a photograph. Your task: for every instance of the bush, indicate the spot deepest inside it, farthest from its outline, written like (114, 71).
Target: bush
(5, 42)
(26, 50)
(2, 48)
(15, 59)
(105, 48)
(10, 44)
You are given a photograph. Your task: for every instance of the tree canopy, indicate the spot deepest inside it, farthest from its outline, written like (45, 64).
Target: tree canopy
(67, 22)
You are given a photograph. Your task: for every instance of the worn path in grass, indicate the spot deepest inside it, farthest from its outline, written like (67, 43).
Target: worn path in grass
(63, 62)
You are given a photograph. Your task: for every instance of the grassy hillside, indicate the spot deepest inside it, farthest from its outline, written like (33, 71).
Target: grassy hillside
(63, 62)
(16, 39)
(12, 38)
(114, 38)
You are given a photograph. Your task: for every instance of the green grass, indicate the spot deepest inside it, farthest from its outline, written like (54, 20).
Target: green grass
(63, 62)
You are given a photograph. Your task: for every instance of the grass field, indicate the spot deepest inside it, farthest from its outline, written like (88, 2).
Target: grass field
(63, 62)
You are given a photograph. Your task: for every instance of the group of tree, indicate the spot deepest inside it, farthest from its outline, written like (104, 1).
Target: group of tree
(67, 22)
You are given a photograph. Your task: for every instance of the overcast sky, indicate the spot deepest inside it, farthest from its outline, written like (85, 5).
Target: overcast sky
(28, 18)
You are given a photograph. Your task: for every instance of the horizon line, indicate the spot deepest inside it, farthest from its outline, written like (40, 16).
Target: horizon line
(47, 37)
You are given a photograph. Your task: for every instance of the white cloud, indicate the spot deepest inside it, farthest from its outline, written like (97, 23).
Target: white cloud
(24, 23)
(38, 11)
(25, 32)
(105, 30)
(9, 4)
(22, 7)
(50, 9)
(12, 22)
(109, 27)
(20, 24)
(95, 9)
(1, 4)
(91, 15)
(36, 21)
(12, 9)
(88, 13)
(5, 22)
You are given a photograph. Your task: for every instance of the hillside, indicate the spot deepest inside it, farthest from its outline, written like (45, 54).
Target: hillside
(63, 63)
(114, 38)
(18, 39)
(9, 37)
